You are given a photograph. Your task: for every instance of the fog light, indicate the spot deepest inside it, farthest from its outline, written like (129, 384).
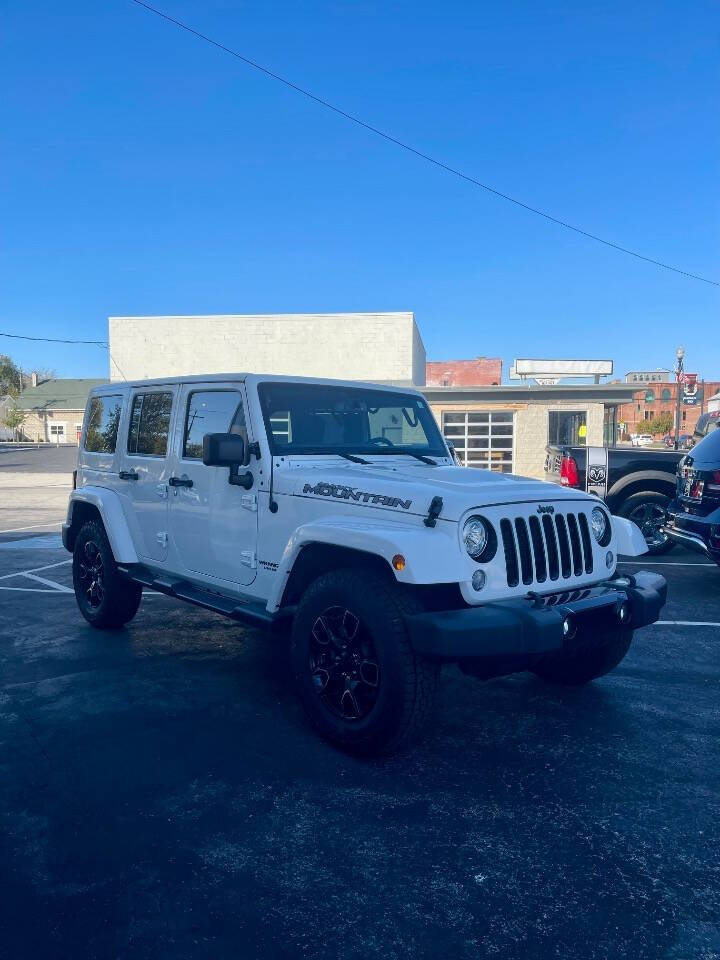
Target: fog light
(398, 561)
(623, 612)
(609, 558)
(569, 628)
(479, 580)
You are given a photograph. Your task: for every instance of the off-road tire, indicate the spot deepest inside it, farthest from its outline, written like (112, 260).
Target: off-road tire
(577, 668)
(656, 501)
(113, 600)
(407, 683)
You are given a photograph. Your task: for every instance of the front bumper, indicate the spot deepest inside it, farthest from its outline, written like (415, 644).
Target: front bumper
(532, 627)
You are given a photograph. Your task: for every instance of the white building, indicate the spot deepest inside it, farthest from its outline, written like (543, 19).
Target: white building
(348, 346)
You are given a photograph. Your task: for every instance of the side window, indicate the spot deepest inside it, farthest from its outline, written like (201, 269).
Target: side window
(149, 424)
(211, 411)
(103, 420)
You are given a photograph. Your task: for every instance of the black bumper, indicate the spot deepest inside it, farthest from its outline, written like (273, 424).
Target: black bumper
(701, 534)
(529, 628)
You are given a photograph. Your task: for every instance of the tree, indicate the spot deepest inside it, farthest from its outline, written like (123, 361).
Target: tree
(14, 419)
(662, 424)
(9, 376)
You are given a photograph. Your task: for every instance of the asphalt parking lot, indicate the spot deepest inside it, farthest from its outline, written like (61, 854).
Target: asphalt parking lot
(161, 794)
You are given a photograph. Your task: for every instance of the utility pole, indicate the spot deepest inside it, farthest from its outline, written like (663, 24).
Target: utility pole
(680, 379)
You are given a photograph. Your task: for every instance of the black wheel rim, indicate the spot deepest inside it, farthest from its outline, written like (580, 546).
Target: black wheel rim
(649, 517)
(90, 573)
(343, 664)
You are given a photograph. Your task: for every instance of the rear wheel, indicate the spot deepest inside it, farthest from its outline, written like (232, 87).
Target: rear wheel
(648, 510)
(356, 675)
(105, 598)
(582, 666)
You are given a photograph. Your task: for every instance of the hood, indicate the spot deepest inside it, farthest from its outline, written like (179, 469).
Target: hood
(409, 487)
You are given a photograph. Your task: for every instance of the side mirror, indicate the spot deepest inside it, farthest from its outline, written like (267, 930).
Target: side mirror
(223, 450)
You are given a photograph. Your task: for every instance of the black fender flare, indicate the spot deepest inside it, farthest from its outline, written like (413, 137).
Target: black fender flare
(654, 476)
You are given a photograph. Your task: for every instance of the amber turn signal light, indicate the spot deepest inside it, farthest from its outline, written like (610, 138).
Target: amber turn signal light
(398, 561)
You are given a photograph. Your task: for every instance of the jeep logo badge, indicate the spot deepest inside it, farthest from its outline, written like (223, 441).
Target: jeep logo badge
(542, 509)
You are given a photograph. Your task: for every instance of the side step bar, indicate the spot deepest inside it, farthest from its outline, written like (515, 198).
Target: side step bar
(244, 609)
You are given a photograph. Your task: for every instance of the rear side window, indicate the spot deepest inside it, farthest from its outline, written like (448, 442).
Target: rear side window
(211, 411)
(103, 420)
(149, 424)
(706, 454)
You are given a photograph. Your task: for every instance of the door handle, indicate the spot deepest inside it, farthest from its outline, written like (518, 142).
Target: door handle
(128, 475)
(180, 482)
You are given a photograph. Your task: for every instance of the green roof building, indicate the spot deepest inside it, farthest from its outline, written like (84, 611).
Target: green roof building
(55, 409)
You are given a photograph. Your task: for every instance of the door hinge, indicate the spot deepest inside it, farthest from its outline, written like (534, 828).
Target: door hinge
(248, 501)
(248, 559)
(162, 538)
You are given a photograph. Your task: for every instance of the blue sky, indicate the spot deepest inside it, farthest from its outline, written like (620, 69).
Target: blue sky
(144, 172)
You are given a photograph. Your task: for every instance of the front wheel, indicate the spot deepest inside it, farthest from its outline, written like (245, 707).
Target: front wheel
(581, 666)
(355, 672)
(104, 597)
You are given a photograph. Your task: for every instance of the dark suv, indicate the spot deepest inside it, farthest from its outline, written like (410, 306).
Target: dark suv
(693, 517)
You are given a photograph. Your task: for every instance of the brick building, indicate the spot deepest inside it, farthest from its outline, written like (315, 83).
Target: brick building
(480, 372)
(658, 397)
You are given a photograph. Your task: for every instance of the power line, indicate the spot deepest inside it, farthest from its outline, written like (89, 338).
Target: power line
(418, 153)
(92, 343)
(18, 336)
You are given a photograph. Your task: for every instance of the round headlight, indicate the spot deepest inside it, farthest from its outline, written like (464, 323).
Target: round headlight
(599, 525)
(476, 536)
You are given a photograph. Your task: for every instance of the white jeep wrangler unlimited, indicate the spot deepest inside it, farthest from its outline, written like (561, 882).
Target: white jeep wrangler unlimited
(337, 509)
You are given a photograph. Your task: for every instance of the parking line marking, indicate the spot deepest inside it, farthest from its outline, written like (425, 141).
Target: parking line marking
(686, 623)
(30, 590)
(23, 573)
(48, 583)
(34, 526)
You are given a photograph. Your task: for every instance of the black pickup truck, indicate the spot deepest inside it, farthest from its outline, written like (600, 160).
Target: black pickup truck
(635, 482)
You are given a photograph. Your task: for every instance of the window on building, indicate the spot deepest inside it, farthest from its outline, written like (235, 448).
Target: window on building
(211, 411)
(149, 424)
(610, 426)
(103, 420)
(649, 396)
(665, 396)
(482, 439)
(684, 413)
(567, 427)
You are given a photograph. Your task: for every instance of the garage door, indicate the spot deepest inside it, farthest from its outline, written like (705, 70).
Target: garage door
(483, 440)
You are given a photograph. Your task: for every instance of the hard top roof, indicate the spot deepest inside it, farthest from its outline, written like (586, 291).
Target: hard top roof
(248, 378)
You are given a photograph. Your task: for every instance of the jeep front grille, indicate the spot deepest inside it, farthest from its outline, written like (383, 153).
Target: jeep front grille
(551, 548)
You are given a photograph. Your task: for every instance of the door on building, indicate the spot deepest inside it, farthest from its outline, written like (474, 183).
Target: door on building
(213, 523)
(57, 432)
(145, 470)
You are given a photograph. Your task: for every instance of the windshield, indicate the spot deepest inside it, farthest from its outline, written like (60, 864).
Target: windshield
(314, 418)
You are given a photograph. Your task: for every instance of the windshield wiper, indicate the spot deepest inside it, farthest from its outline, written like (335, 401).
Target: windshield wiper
(352, 458)
(422, 457)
